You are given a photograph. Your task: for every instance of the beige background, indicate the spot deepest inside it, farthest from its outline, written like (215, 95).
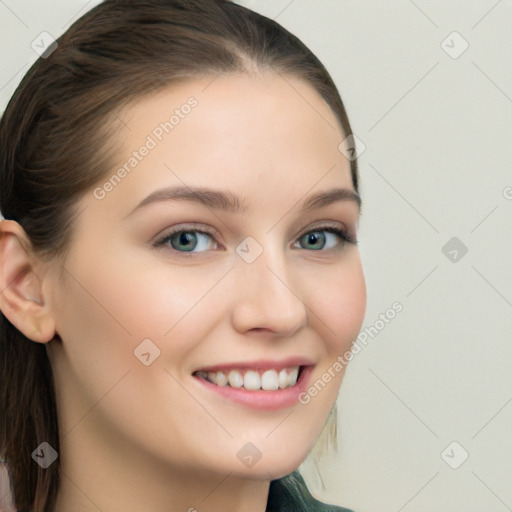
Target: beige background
(436, 123)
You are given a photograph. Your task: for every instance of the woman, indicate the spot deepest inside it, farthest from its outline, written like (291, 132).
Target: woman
(179, 263)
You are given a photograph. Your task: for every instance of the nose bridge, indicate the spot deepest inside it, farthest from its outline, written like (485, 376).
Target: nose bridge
(265, 264)
(267, 295)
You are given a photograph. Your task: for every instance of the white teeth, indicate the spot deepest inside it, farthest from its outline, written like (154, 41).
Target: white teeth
(221, 379)
(269, 380)
(252, 380)
(284, 380)
(235, 379)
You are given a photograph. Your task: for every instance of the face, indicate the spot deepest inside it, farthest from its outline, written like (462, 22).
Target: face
(203, 259)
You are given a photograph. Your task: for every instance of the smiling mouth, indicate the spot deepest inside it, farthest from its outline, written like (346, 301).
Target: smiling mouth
(252, 380)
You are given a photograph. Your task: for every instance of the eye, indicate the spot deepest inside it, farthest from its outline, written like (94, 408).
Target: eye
(325, 238)
(190, 240)
(186, 240)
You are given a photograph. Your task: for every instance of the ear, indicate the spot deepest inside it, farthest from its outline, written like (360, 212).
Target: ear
(22, 298)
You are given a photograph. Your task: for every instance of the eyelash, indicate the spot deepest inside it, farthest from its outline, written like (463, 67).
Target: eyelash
(329, 228)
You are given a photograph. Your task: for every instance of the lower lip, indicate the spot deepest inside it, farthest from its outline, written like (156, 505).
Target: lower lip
(261, 399)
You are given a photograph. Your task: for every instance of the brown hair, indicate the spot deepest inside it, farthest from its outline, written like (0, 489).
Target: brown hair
(54, 148)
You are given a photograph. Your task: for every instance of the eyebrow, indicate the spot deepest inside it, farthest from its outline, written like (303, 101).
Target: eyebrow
(228, 201)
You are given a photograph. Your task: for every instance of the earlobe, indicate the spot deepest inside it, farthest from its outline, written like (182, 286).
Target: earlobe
(21, 292)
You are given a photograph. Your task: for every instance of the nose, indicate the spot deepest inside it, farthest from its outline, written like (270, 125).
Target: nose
(266, 298)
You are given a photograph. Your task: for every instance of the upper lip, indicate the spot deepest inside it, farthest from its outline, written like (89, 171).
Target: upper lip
(260, 364)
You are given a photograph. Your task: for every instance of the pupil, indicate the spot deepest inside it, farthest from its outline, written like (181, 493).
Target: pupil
(314, 238)
(186, 239)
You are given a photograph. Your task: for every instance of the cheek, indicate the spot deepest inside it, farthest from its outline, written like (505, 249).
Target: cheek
(111, 304)
(338, 303)
(107, 308)
(172, 306)
(124, 290)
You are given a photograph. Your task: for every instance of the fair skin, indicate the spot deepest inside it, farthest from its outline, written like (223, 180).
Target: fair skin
(147, 438)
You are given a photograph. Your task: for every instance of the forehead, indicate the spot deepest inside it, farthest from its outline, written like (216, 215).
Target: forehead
(236, 112)
(260, 134)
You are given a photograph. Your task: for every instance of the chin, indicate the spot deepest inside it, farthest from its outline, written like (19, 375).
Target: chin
(274, 465)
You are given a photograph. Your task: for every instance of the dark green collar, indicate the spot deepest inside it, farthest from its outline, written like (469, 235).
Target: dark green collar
(290, 494)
